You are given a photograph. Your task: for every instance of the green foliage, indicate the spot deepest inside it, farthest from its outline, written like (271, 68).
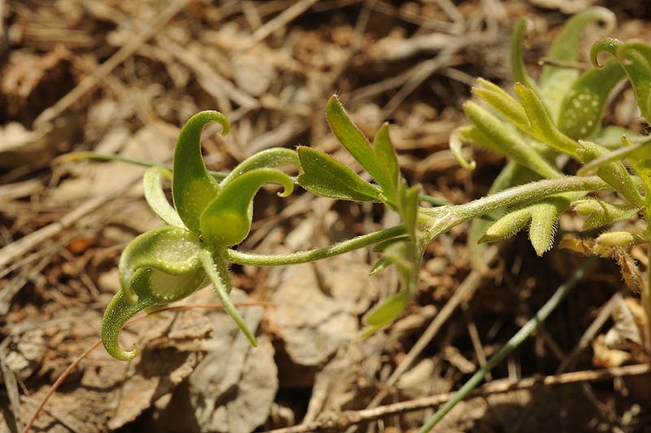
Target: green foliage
(556, 118)
(561, 115)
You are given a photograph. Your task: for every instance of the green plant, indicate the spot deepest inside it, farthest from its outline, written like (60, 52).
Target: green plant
(559, 115)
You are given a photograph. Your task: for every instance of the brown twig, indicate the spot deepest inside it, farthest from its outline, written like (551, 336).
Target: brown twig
(348, 418)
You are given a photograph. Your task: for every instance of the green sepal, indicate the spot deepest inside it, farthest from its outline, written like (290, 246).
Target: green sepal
(155, 196)
(323, 175)
(601, 213)
(507, 226)
(269, 158)
(555, 81)
(511, 175)
(168, 249)
(192, 185)
(226, 221)
(153, 288)
(544, 221)
(217, 271)
(541, 218)
(583, 106)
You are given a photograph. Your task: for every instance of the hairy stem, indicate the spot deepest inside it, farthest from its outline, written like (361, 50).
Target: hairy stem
(244, 258)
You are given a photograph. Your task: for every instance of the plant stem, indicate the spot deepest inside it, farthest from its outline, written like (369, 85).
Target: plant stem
(244, 258)
(511, 345)
(530, 193)
(646, 304)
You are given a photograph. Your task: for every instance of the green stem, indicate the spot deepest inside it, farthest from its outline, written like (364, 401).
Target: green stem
(646, 304)
(244, 258)
(529, 193)
(510, 346)
(134, 161)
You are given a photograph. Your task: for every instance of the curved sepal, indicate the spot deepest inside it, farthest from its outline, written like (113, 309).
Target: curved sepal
(155, 196)
(118, 312)
(192, 185)
(217, 271)
(226, 221)
(169, 249)
(153, 288)
(269, 158)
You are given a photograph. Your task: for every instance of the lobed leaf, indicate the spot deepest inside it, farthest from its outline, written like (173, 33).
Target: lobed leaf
(502, 138)
(352, 138)
(323, 175)
(583, 106)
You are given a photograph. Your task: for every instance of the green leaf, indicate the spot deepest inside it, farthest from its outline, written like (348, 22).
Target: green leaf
(635, 58)
(408, 207)
(385, 313)
(323, 175)
(502, 138)
(555, 81)
(502, 102)
(192, 185)
(541, 126)
(614, 173)
(583, 106)
(523, 28)
(386, 158)
(226, 221)
(352, 138)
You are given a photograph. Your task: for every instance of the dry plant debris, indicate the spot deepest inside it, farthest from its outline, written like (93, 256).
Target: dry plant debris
(121, 77)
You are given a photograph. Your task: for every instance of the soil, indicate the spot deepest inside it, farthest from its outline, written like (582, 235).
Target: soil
(121, 77)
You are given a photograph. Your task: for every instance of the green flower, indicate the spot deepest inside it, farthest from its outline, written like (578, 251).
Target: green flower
(169, 263)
